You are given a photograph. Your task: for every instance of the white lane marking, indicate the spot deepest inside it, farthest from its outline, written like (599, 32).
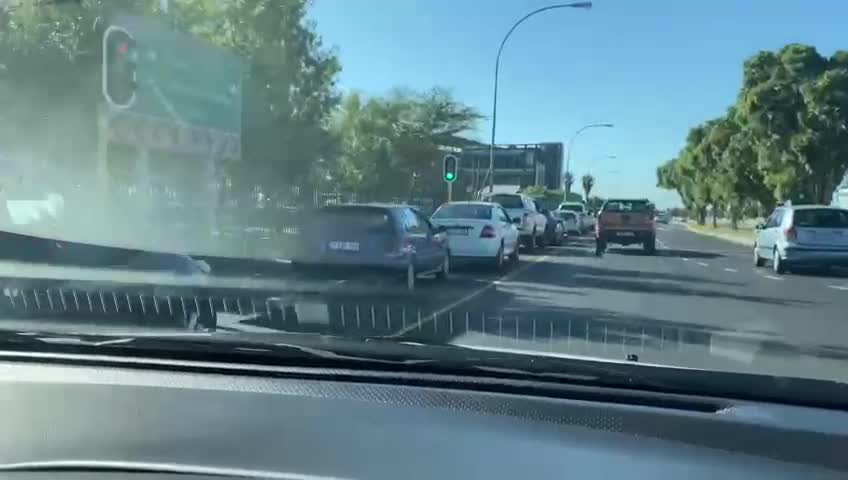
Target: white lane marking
(838, 287)
(703, 264)
(731, 270)
(685, 259)
(472, 295)
(772, 277)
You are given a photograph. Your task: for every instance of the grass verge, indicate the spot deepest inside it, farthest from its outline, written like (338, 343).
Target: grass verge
(742, 236)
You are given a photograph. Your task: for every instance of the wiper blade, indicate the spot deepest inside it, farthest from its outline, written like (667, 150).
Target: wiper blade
(141, 467)
(200, 346)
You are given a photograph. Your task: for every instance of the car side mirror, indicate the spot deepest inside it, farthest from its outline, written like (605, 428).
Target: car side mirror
(760, 226)
(516, 220)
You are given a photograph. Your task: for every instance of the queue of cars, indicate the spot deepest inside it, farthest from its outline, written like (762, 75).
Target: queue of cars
(400, 240)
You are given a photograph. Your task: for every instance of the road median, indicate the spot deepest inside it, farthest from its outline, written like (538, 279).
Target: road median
(741, 236)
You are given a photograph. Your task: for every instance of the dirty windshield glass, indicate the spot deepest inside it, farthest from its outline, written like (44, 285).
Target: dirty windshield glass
(229, 167)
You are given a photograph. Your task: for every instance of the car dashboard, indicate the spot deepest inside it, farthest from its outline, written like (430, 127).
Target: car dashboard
(68, 416)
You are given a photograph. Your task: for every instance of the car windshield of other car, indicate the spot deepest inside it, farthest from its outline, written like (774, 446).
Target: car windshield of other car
(636, 206)
(356, 218)
(476, 212)
(508, 201)
(821, 218)
(571, 207)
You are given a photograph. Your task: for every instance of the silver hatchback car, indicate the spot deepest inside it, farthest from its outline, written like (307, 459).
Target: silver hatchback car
(813, 236)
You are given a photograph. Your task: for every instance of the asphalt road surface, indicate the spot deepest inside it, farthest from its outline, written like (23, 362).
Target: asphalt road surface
(698, 302)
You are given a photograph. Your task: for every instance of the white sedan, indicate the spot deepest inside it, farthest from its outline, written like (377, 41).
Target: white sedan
(480, 230)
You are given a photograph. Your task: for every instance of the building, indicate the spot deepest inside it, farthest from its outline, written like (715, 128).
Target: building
(519, 164)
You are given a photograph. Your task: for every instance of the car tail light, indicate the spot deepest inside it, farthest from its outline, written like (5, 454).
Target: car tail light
(790, 233)
(487, 232)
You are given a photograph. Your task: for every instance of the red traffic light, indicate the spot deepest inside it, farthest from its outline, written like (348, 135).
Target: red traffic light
(123, 48)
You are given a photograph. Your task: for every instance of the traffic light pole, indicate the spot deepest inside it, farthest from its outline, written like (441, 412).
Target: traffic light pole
(450, 191)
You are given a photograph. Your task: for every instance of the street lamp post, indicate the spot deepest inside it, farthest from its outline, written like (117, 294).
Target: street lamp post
(491, 173)
(571, 143)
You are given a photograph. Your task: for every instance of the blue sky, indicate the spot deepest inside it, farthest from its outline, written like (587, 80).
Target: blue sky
(654, 68)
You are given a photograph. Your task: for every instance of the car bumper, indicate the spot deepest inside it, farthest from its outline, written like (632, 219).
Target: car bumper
(626, 236)
(815, 257)
(474, 247)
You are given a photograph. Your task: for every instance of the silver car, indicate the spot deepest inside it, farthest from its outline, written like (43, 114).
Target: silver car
(803, 236)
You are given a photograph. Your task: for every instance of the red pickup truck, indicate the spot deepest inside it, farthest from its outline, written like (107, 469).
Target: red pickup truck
(626, 222)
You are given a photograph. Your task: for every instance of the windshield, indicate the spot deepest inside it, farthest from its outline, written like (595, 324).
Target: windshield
(475, 212)
(508, 201)
(636, 206)
(303, 166)
(821, 218)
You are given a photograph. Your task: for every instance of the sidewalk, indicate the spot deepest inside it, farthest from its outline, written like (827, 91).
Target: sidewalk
(742, 236)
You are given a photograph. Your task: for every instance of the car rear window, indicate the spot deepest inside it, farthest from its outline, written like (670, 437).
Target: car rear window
(636, 206)
(821, 218)
(360, 218)
(508, 201)
(572, 208)
(567, 215)
(476, 212)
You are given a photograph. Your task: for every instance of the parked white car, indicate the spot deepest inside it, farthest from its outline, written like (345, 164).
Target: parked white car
(479, 230)
(585, 222)
(532, 224)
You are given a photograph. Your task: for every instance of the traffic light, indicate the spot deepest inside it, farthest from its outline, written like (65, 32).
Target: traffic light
(119, 67)
(449, 168)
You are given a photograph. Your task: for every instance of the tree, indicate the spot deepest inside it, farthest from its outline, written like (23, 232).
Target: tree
(568, 181)
(588, 182)
(786, 138)
(50, 56)
(393, 146)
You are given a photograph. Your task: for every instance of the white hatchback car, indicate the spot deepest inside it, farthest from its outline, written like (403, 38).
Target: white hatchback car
(803, 236)
(480, 230)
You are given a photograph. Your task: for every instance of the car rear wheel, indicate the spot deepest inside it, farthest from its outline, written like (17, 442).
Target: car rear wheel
(758, 260)
(444, 271)
(513, 257)
(777, 264)
(498, 262)
(530, 243)
(541, 240)
(650, 246)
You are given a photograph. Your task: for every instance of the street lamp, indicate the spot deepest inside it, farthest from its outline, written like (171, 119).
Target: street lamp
(491, 173)
(571, 142)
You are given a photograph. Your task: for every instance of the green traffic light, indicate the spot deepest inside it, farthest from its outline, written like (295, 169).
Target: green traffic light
(449, 176)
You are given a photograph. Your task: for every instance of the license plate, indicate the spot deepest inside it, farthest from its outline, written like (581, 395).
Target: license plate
(458, 233)
(344, 246)
(626, 234)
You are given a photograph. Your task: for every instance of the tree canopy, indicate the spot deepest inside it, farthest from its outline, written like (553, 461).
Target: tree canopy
(785, 138)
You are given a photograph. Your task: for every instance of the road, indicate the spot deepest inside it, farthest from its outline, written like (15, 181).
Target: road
(699, 302)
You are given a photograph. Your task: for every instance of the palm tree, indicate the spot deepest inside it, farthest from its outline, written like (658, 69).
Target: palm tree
(588, 182)
(568, 181)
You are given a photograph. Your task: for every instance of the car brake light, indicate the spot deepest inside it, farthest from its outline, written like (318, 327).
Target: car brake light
(790, 233)
(487, 232)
